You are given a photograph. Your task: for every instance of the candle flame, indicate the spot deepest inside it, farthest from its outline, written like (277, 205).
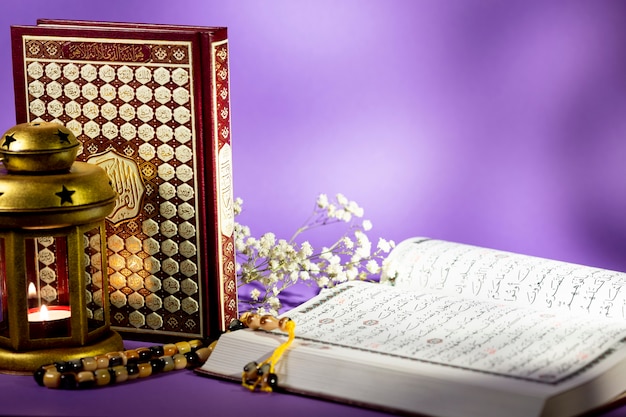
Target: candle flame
(32, 291)
(43, 313)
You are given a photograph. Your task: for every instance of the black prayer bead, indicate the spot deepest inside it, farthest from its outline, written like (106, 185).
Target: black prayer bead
(87, 383)
(272, 380)
(145, 354)
(38, 375)
(156, 350)
(75, 365)
(236, 324)
(157, 365)
(67, 381)
(115, 361)
(62, 366)
(132, 368)
(113, 375)
(192, 359)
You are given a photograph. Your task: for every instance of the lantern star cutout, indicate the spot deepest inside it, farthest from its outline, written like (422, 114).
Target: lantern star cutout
(65, 195)
(64, 137)
(8, 140)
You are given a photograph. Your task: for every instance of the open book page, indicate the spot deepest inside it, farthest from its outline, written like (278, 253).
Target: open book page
(480, 273)
(490, 338)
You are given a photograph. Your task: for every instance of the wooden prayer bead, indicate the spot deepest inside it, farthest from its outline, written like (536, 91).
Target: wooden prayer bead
(253, 321)
(169, 349)
(102, 376)
(51, 378)
(89, 364)
(180, 361)
(282, 323)
(121, 373)
(41, 371)
(131, 355)
(145, 369)
(268, 322)
(168, 363)
(102, 361)
(85, 379)
(195, 344)
(203, 354)
(264, 369)
(251, 371)
(183, 347)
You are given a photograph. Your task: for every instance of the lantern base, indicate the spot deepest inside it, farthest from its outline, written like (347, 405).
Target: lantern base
(26, 362)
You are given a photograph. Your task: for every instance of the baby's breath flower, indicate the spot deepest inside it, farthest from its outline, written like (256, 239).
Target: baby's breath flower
(385, 245)
(341, 199)
(372, 266)
(276, 264)
(237, 205)
(322, 201)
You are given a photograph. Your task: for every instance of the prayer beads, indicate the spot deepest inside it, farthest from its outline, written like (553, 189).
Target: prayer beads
(262, 376)
(119, 367)
(256, 321)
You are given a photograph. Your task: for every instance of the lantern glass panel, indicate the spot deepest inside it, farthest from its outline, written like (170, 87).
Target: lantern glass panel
(94, 271)
(47, 281)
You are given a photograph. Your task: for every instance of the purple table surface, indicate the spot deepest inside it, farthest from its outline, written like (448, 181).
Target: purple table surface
(176, 393)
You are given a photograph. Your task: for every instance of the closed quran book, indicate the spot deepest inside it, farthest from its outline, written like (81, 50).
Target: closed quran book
(150, 105)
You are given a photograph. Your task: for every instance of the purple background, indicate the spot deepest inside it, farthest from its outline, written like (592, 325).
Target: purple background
(495, 123)
(500, 124)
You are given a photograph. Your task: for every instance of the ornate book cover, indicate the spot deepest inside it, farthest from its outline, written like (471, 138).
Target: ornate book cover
(150, 105)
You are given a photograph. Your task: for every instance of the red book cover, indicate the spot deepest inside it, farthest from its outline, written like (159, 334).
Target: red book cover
(151, 105)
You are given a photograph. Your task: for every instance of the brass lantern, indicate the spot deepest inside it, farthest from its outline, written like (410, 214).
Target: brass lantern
(53, 269)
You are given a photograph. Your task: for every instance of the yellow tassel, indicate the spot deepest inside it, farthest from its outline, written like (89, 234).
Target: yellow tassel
(265, 379)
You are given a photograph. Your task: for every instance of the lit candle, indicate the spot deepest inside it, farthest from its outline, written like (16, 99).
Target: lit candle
(32, 296)
(53, 321)
(49, 314)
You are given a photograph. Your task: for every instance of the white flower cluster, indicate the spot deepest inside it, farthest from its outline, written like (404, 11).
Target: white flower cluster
(276, 264)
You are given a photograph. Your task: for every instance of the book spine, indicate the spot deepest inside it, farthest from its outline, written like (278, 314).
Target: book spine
(217, 92)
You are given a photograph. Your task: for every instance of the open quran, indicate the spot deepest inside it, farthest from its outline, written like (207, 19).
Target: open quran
(454, 330)
(150, 104)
